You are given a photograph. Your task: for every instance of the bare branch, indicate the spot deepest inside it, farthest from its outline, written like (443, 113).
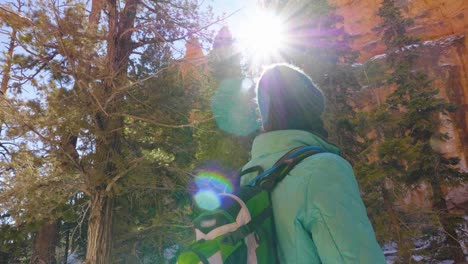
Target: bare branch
(7, 67)
(160, 38)
(126, 87)
(154, 122)
(122, 174)
(84, 213)
(84, 87)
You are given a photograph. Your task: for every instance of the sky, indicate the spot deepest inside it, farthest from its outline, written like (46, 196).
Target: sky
(244, 9)
(238, 11)
(229, 6)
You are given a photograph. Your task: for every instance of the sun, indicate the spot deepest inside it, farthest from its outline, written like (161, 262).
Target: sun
(261, 38)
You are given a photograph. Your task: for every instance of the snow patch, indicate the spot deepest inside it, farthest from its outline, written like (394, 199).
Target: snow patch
(378, 57)
(441, 42)
(73, 258)
(390, 248)
(444, 41)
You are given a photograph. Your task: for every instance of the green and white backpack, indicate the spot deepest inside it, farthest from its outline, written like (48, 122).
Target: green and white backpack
(242, 229)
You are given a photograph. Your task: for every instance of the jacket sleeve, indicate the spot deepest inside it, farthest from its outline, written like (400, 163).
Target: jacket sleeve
(335, 216)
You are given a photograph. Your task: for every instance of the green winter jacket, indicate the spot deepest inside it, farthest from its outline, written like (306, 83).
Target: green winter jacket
(318, 211)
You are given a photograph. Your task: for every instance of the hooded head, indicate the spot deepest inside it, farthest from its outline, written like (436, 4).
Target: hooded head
(289, 99)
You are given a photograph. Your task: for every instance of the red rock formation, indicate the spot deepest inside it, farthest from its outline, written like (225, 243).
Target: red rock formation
(442, 27)
(194, 61)
(433, 20)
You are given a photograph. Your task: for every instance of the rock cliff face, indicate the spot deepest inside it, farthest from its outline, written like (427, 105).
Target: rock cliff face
(442, 26)
(434, 19)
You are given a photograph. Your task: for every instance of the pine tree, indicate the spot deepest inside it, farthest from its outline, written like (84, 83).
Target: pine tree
(413, 110)
(154, 200)
(225, 141)
(70, 129)
(321, 47)
(44, 240)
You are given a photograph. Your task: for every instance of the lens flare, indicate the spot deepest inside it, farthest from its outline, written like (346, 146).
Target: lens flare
(233, 109)
(211, 180)
(262, 37)
(210, 183)
(207, 199)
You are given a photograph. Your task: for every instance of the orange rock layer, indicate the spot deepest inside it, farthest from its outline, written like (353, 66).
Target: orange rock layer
(442, 26)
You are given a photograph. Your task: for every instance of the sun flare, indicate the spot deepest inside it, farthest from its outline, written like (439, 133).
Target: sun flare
(262, 37)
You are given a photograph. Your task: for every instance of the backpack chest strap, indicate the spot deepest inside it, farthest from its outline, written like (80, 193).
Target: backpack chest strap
(247, 229)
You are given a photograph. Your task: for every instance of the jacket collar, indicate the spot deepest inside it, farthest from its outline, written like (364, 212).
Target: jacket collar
(285, 140)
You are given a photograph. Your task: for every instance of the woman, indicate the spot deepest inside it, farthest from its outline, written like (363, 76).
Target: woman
(319, 214)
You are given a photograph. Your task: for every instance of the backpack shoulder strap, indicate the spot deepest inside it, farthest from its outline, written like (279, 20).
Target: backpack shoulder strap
(269, 178)
(257, 169)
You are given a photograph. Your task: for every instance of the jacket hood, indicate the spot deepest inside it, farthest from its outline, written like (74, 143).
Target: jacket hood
(285, 140)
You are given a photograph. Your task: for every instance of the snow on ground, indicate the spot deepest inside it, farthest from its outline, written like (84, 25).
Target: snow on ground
(74, 259)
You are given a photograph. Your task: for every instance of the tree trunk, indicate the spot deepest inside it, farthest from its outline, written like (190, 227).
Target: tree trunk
(100, 229)
(404, 246)
(4, 257)
(440, 207)
(109, 127)
(67, 246)
(43, 251)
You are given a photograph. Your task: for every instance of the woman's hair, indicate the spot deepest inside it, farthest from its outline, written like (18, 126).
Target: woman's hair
(289, 99)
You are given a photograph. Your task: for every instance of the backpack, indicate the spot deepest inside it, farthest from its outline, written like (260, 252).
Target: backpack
(241, 229)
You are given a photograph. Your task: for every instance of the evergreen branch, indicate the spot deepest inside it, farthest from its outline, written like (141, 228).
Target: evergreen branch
(8, 12)
(156, 188)
(142, 42)
(60, 43)
(126, 87)
(39, 58)
(122, 174)
(8, 63)
(154, 122)
(24, 122)
(84, 87)
(445, 231)
(2, 145)
(150, 107)
(148, 230)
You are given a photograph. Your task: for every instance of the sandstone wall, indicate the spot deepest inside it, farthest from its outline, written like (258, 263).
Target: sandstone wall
(433, 19)
(442, 26)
